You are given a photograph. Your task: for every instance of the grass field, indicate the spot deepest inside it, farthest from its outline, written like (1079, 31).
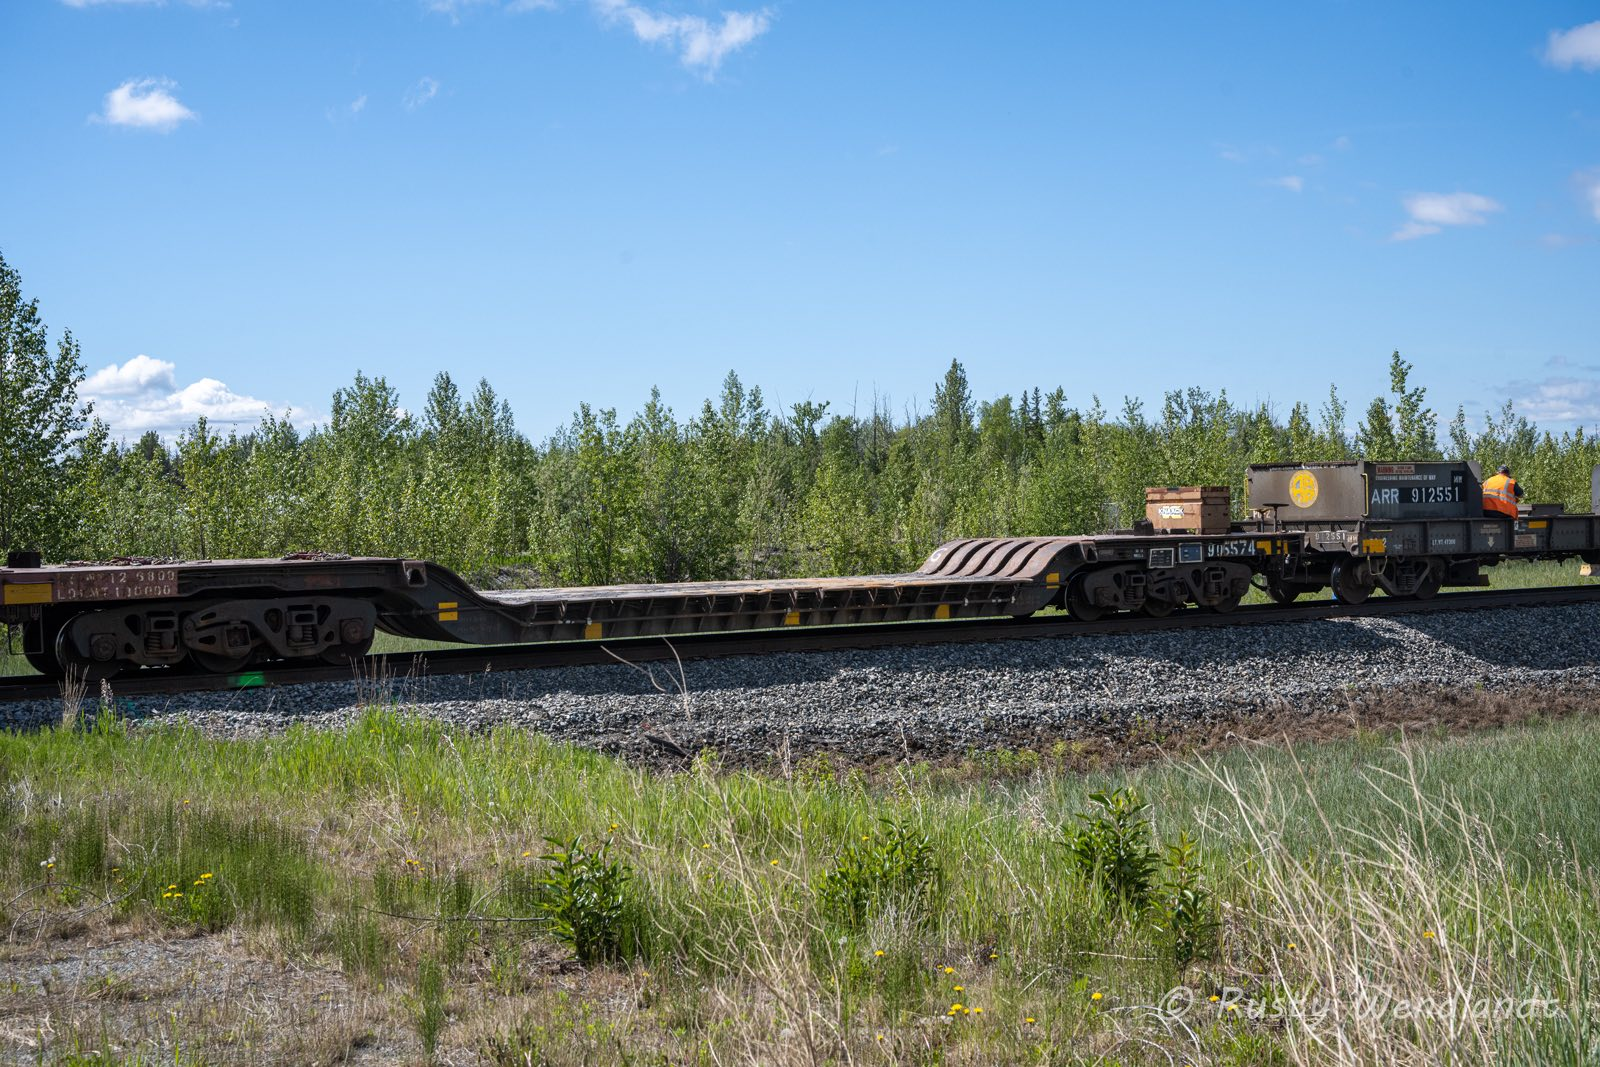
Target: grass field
(1378, 900)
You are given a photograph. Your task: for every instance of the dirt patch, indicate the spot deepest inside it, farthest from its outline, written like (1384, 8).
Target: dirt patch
(167, 995)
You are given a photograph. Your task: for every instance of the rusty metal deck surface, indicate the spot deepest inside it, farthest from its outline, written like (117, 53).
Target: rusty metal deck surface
(972, 561)
(753, 587)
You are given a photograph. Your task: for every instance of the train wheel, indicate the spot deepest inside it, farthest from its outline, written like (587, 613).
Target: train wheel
(1428, 585)
(1283, 592)
(1158, 609)
(217, 663)
(1079, 605)
(76, 667)
(1224, 605)
(342, 654)
(1351, 581)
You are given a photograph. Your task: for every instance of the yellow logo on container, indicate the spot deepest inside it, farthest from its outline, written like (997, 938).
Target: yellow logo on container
(1303, 489)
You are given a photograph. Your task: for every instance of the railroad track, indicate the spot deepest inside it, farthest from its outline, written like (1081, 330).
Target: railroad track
(482, 659)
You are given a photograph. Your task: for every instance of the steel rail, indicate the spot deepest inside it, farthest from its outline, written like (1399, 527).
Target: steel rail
(655, 649)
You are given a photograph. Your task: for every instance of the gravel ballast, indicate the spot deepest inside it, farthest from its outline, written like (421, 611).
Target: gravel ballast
(937, 700)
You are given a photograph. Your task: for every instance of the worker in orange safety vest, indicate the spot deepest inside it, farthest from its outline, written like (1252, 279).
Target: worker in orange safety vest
(1500, 495)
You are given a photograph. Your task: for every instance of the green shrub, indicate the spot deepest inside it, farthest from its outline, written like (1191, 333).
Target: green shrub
(585, 899)
(896, 869)
(1112, 848)
(1187, 918)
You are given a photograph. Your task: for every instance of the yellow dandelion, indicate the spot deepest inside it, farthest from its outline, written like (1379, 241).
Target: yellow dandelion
(208, 874)
(1427, 933)
(173, 886)
(949, 970)
(977, 1011)
(199, 881)
(705, 844)
(956, 1006)
(1292, 945)
(1233, 1007)
(50, 866)
(994, 955)
(186, 802)
(1096, 996)
(880, 1037)
(961, 989)
(1215, 998)
(878, 953)
(1030, 1020)
(966, 1011)
(866, 837)
(774, 863)
(166, 896)
(526, 853)
(177, 896)
(613, 827)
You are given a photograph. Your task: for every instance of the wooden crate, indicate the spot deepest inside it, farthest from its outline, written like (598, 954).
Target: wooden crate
(1201, 509)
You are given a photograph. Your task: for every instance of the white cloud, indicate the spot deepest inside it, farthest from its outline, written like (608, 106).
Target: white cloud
(1589, 187)
(143, 394)
(1341, 143)
(425, 89)
(1559, 399)
(349, 111)
(453, 8)
(1577, 47)
(1431, 212)
(1292, 182)
(145, 104)
(141, 374)
(701, 46)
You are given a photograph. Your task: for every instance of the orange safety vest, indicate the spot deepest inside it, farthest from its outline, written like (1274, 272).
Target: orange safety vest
(1500, 494)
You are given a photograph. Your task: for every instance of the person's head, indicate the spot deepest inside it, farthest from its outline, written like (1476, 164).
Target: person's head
(1505, 470)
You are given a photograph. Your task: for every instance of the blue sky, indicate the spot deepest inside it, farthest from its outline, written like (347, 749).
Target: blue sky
(579, 199)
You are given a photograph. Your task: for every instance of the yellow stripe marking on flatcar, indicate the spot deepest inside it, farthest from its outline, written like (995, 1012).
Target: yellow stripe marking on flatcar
(447, 611)
(1374, 546)
(1264, 546)
(593, 632)
(942, 611)
(1539, 525)
(792, 619)
(30, 593)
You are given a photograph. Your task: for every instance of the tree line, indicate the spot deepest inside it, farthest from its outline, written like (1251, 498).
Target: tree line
(734, 490)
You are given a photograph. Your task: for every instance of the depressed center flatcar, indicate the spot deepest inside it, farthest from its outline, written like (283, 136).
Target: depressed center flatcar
(1405, 528)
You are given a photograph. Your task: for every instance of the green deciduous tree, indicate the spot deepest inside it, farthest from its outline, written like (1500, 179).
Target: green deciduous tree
(40, 419)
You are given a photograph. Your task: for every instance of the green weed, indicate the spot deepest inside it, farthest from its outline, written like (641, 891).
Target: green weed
(428, 1006)
(1112, 847)
(585, 899)
(898, 868)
